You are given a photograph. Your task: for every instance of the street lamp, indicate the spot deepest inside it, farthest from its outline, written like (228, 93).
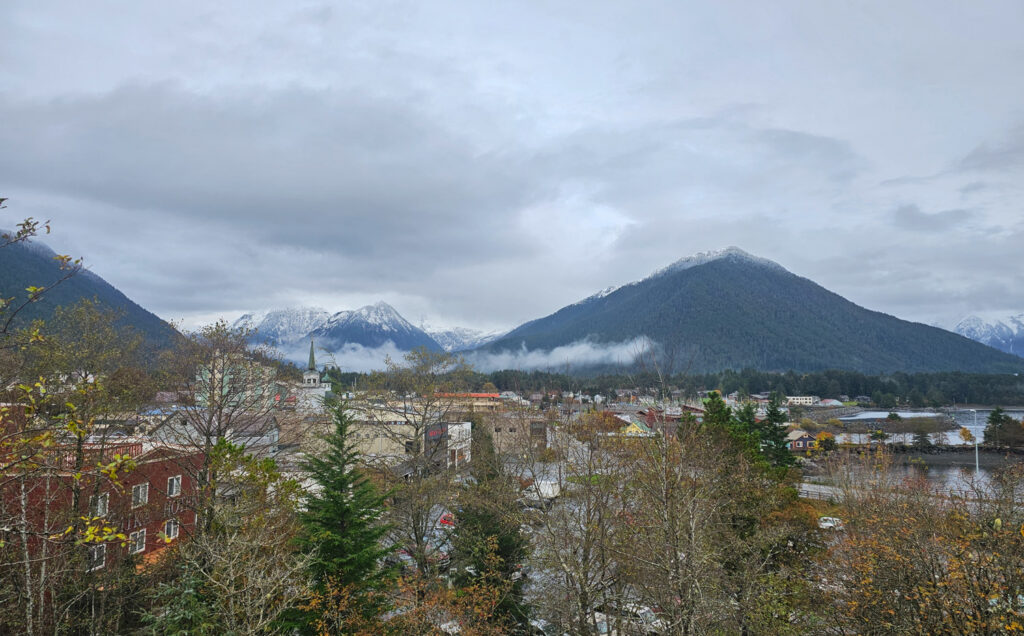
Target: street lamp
(975, 411)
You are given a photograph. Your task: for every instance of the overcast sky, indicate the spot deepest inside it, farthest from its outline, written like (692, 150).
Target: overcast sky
(484, 163)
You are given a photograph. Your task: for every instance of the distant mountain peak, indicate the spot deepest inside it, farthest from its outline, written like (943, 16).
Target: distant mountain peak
(379, 314)
(283, 327)
(462, 338)
(731, 253)
(372, 326)
(1001, 331)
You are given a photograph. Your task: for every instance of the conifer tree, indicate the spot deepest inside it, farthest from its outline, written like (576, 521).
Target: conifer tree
(717, 413)
(773, 434)
(341, 526)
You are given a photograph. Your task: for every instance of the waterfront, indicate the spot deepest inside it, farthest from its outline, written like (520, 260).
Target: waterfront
(971, 419)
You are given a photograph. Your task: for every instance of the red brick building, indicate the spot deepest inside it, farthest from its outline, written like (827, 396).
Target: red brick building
(156, 503)
(153, 504)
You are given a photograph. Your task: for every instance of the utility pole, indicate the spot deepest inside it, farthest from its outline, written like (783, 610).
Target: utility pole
(975, 411)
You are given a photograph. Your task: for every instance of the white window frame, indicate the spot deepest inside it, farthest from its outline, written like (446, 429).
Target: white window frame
(97, 556)
(137, 541)
(176, 489)
(143, 499)
(97, 510)
(171, 524)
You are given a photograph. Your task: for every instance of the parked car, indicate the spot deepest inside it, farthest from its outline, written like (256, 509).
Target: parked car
(634, 618)
(830, 523)
(541, 493)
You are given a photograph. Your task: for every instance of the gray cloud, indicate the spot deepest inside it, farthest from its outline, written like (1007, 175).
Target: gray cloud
(910, 217)
(579, 353)
(353, 357)
(972, 187)
(487, 165)
(1006, 153)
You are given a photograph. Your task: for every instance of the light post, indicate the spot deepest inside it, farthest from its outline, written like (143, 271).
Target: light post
(975, 411)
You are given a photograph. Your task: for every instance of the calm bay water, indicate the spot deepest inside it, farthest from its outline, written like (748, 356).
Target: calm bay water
(963, 417)
(947, 471)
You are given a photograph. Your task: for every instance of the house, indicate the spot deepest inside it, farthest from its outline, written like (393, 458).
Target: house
(799, 441)
(830, 402)
(189, 426)
(448, 447)
(258, 434)
(802, 400)
(384, 436)
(633, 427)
(517, 431)
(469, 403)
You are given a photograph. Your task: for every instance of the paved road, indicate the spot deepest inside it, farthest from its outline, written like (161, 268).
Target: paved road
(819, 491)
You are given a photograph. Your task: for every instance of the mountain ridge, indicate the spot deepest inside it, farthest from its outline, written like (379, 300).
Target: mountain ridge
(729, 309)
(458, 339)
(33, 263)
(373, 326)
(1004, 332)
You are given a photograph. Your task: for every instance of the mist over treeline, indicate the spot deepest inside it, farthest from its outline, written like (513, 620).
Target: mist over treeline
(913, 389)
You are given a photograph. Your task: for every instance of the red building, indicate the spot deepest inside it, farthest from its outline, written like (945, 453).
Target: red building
(154, 503)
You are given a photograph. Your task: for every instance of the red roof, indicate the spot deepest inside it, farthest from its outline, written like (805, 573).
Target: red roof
(470, 395)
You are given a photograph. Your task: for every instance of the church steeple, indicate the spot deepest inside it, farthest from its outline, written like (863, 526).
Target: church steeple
(312, 358)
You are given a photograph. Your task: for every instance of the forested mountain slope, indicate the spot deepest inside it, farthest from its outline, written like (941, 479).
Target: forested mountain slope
(32, 264)
(733, 310)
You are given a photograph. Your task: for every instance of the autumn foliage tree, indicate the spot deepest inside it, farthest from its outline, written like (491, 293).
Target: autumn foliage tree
(914, 561)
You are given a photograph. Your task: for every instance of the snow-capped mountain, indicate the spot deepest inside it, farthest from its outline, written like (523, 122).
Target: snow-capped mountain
(1005, 333)
(463, 338)
(729, 309)
(284, 328)
(372, 326)
(731, 253)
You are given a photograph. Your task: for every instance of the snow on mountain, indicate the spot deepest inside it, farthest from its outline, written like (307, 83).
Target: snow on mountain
(380, 315)
(1005, 332)
(702, 258)
(463, 338)
(284, 328)
(373, 326)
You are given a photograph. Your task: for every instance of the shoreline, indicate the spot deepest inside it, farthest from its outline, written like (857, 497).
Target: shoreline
(961, 458)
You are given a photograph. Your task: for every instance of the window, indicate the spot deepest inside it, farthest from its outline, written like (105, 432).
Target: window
(174, 486)
(137, 541)
(140, 495)
(97, 556)
(171, 528)
(98, 505)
